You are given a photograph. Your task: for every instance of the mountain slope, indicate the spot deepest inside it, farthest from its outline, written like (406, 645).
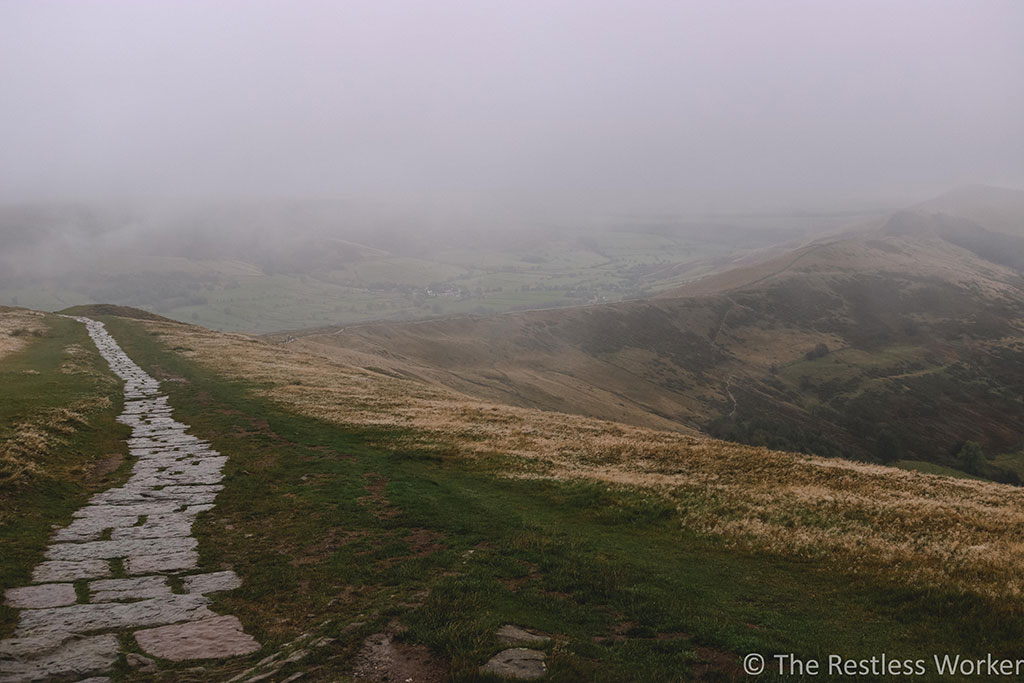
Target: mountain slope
(901, 342)
(1000, 209)
(363, 508)
(721, 487)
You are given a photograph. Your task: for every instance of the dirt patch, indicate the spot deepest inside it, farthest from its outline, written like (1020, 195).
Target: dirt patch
(674, 636)
(375, 486)
(515, 583)
(324, 547)
(424, 542)
(624, 630)
(165, 375)
(376, 497)
(385, 661)
(713, 664)
(104, 467)
(220, 411)
(25, 450)
(18, 327)
(624, 627)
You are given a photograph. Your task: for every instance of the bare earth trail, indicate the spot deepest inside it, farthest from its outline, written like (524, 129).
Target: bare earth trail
(110, 571)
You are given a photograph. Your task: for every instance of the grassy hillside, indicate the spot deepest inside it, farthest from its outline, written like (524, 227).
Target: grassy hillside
(58, 437)
(900, 343)
(749, 483)
(359, 502)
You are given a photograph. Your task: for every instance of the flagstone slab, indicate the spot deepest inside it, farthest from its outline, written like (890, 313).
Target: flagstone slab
(111, 549)
(59, 570)
(173, 562)
(75, 656)
(212, 582)
(166, 528)
(42, 595)
(91, 528)
(110, 590)
(61, 621)
(212, 638)
(136, 510)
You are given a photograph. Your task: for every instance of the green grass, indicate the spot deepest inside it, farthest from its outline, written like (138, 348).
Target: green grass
(339, 536)
(932, 468)
(845, 364)
(1010, 461)
(31, 383)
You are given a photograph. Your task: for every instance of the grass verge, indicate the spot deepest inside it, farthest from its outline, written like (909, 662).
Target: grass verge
(59, 442)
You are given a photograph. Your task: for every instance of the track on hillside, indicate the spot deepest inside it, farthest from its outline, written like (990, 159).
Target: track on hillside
(128, 560)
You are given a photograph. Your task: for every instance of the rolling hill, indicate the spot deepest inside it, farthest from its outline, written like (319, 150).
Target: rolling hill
(897, 342)
(641, 482)
(363, 507)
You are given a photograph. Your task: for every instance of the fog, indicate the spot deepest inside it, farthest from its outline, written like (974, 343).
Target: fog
(486, 110)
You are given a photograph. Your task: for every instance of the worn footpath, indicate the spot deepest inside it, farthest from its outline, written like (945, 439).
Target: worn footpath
(127, 562)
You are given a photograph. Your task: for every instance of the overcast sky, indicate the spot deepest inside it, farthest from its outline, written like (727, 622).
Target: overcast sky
(585, 104)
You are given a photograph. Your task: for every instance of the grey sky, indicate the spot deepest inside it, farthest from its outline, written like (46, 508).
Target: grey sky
(579, 105)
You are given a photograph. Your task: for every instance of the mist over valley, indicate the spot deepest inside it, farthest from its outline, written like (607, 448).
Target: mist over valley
(464, 341)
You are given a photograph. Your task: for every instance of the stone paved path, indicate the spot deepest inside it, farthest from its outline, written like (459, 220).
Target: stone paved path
(108, 570)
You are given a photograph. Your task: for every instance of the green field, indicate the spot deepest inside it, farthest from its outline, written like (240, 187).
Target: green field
(568, 269)
(932, 468)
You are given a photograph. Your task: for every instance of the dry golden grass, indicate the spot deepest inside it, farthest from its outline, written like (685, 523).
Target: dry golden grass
(486, 359)
(918, 528)
(24, 451)
(27, 446)
(17, 327)
(78, 361)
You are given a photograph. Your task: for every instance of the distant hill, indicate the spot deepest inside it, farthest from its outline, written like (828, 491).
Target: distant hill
(900, 341)
(997, 208)
(109, 309)
(271, 266)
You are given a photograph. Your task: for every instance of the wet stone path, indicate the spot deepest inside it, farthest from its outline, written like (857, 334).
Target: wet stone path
(127, 561)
